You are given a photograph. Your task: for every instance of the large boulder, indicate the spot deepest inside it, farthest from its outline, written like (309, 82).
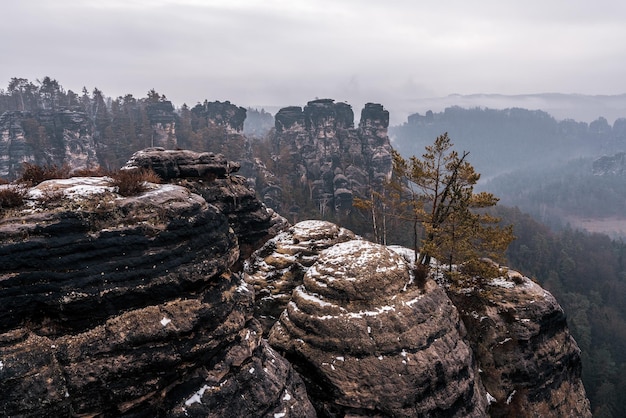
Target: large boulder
(370, 342)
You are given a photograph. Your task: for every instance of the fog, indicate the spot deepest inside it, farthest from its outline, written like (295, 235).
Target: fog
(274, 53)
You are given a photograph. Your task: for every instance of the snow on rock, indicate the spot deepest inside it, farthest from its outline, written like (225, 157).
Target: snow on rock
(278, 267)
(384, 337)
(519, 335)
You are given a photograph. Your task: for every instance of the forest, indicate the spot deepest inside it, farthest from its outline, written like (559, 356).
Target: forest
(585, 271)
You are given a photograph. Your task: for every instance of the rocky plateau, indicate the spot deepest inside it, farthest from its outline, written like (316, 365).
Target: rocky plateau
(192, 298)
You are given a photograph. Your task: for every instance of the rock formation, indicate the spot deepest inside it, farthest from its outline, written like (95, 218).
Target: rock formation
(369, 342)
(279, 268)
(45, 138)
(128, 306)
(329, 158)
(528, 359)
(137, 306)
(250, 219)
(223, 114)
(610, 165)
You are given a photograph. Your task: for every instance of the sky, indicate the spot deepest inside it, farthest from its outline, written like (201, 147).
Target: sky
(274, 53)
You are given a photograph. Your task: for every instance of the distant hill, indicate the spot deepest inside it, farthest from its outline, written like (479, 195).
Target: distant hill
(501, 141)
(580, 107)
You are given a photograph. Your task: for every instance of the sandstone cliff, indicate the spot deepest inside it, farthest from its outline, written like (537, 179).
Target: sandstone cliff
(127, 306)
(46, 137)
(327, 157)
(143, 306)
(369, 342)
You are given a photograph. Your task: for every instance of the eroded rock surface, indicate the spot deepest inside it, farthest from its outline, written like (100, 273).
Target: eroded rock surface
(46, 137)
(330, 158)
(279, 266)
(129, 306)
(369, 342)
(356, 304)
(530, 363)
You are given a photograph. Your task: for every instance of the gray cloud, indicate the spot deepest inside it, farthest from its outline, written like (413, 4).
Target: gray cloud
(277, 52)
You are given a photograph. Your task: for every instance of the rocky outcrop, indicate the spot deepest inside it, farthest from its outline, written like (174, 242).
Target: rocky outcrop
(530, 364)
(277, 269)
(370, 342)
(129, 306)
(610, 165)
(222, 114)
(61, 137)
(329, 158)
(211, 177)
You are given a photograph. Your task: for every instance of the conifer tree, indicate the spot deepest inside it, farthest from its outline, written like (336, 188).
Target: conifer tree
(439, 190)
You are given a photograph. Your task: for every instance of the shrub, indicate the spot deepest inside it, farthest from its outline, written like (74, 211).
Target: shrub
(11, 197)
(90, 172)
(33, 174)
(133, 182)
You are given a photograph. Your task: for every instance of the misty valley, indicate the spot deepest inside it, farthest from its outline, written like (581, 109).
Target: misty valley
(269, 207)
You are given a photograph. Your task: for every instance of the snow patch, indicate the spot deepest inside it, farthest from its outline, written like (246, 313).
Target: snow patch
(243, 287)
(311, 297)
(287, 397)
(341, 358)
(251, 371)
(490, 399)
(165, 321)
(510, 398)
(197, 397)
(280, 414)
(1, 365)
(502, 282)
(412, 302)
(378, 311)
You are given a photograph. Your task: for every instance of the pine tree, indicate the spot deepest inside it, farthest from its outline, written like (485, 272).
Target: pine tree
(454, 226)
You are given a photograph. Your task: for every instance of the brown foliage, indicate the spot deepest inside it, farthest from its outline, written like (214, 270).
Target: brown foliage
(12, 197)
(90, 172)
(33, 174)
(133, 182)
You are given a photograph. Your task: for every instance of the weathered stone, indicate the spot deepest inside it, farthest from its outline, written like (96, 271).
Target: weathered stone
(62, 137)
(528, 358)
(369, 342)
(279, 266)
(127, 306)
(172, 164)
(321, 139)
(223, 114)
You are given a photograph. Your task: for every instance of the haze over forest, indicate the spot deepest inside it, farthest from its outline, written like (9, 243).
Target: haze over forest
(274, 53)
(563, 57)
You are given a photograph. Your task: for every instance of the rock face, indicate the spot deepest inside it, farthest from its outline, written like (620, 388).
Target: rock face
(211, 178)
(331, 159)
(129, 306)
(224, 114)
(530, 363)
(369, 342)
(610, 165)
(45, 137)
(279, 268)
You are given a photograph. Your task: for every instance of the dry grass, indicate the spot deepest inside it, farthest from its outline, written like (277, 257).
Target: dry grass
(33, 174)
(90, 172)
(12, 197)
(133, 182)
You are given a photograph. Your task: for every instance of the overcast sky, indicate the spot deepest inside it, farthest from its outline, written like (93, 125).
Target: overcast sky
(286, 52)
